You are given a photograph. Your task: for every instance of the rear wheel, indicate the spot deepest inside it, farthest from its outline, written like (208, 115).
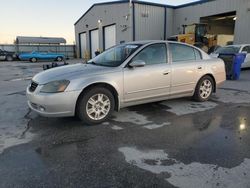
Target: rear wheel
(33, 60)
(95, 106)
(59, 59)
(204, 89)
(9, 58)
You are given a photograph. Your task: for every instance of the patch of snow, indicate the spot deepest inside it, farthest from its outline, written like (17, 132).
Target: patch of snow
(188, 175)
(21, 79)
(156, 126)
(131, 117)
(14, 118)
(183, 107)
(115, 127)
(105, 123)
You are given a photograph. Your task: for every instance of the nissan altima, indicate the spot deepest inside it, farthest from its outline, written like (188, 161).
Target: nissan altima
(125, 75)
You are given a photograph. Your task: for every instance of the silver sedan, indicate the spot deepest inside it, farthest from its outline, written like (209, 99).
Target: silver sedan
(125, 75)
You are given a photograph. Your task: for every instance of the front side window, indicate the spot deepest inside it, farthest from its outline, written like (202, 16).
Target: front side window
(114, 56)
(182, 52)
(153, 54)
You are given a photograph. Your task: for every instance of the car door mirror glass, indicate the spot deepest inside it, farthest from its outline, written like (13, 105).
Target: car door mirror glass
(137, 63)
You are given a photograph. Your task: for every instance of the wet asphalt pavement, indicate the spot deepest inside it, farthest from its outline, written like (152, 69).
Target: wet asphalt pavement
(177, 143)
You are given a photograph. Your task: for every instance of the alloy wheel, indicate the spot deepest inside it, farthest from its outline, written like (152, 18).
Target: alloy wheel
(206, 89)
(98, 106)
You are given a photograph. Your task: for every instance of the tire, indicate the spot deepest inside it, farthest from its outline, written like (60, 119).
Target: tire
(100, 102)
(33, 59)
(59, 58)
(9, 58)
(204, 89)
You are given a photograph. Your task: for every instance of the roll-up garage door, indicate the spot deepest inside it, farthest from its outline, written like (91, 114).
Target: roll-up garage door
(83, 45)
(94, 39)
(109, 36)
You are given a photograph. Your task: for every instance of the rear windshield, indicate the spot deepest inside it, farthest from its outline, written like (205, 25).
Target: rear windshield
(228, 49)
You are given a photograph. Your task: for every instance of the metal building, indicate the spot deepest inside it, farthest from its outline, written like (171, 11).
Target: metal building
(110, 23)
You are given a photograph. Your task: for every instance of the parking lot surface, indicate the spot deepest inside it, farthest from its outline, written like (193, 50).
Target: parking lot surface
(176, 143)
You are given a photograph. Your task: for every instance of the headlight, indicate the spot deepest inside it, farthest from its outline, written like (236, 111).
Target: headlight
(55, 86)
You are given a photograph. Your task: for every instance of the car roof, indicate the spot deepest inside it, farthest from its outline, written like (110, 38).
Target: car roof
(237, 45)
(143, 42)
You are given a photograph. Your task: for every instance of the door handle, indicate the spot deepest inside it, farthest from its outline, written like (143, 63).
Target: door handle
(199, 67)
(166, 72)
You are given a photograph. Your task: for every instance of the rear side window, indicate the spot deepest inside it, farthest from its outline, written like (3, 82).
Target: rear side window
(246, 49)
(182, 52)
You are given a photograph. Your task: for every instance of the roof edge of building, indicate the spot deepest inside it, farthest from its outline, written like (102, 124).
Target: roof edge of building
(104, 3)
(145, 3)
(193, 3)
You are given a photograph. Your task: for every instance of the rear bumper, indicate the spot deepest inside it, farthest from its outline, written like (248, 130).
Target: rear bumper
(53, 104)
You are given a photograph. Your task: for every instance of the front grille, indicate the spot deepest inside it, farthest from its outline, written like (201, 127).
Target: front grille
(33, 86)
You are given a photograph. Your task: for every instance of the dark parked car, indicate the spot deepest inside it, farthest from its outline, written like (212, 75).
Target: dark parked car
(7, 56)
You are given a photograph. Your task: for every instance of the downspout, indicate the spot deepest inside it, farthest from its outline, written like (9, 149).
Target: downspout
(132, 18)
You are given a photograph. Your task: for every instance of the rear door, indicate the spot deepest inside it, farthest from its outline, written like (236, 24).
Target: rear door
(150, 81)
(94, 42)
(109, 36)
(187, 67)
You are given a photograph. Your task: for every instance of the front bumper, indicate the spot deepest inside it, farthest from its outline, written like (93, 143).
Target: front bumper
(53, 104)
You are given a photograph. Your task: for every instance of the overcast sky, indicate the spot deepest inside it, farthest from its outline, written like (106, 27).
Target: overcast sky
(48, 18)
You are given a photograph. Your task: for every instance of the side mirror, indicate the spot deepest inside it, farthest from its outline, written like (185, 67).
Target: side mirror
(137, 63)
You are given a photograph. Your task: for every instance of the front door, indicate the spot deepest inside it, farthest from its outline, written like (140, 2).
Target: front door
(151, 80)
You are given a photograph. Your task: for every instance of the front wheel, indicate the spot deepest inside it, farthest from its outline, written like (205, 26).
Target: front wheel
(95, 106)
(33, 60)
(9, 58)
(59, 59)
(204, 89)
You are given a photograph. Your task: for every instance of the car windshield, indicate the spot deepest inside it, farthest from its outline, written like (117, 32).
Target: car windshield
(114, 56)
(228, 49)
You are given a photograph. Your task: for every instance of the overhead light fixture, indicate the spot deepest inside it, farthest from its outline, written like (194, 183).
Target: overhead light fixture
(235, 18)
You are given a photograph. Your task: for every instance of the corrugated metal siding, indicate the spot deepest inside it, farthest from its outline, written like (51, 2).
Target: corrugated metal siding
(149, 22)
(109, 14)
(242, 27)
(170, 22)
(192, 14)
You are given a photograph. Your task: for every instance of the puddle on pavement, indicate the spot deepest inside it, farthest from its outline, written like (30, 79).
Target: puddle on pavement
(188, 175)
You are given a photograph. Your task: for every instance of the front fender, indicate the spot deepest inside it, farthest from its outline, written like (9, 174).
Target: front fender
(113, 79)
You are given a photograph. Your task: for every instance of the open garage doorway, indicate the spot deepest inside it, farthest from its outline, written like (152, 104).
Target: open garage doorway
(222, 25)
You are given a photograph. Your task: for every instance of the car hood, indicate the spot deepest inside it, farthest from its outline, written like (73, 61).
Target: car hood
(68, 72)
